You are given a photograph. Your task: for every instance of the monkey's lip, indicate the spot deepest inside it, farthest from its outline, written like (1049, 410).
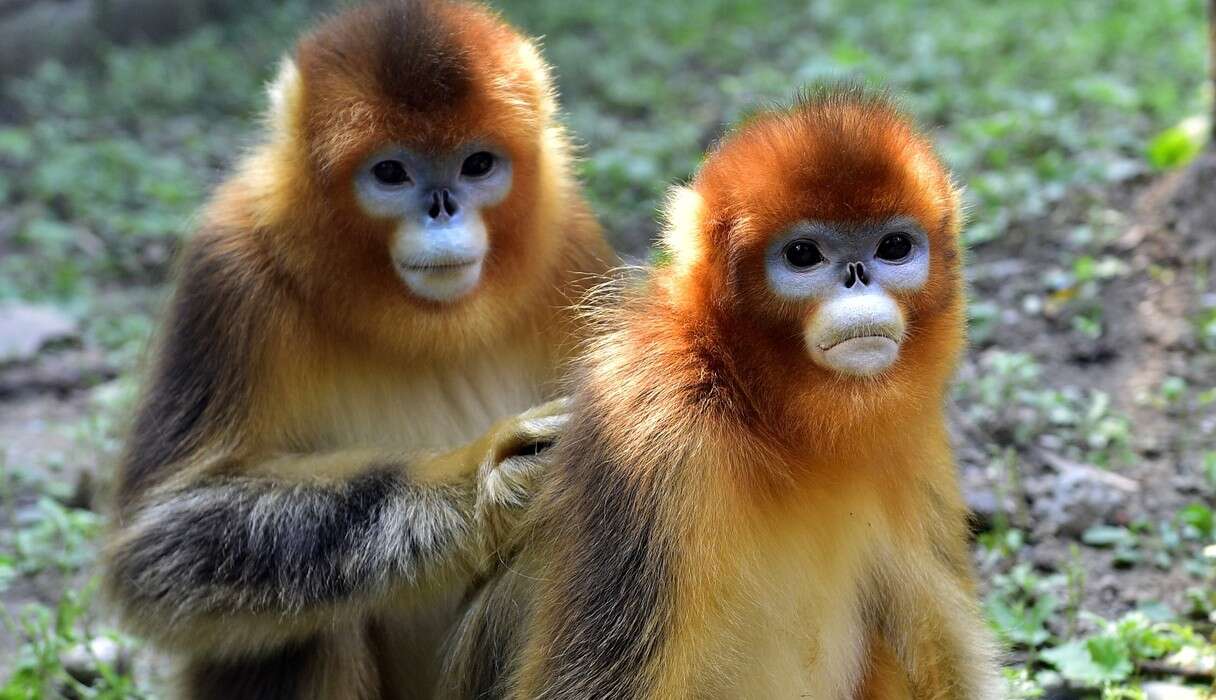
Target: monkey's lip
(867, 334)
(441, 265)
(860, 356)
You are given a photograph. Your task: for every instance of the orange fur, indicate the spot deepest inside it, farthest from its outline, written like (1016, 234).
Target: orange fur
(296, 190)
(300, 386)
(842, 161)
(728, 518)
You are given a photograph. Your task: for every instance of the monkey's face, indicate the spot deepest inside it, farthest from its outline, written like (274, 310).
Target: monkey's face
(851, 277)
(435, 202)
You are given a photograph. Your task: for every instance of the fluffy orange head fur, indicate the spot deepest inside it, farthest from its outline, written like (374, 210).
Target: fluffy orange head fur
(430, 75)
(841, 156)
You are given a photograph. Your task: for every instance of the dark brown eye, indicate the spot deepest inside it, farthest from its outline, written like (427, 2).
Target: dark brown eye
(894, 247)
(802, 254)
(477, 165)
(390, 172)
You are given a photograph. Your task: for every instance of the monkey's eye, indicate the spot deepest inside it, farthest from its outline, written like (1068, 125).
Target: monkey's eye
(894, 247)
(390, 172)
(802, 254)
(477, 165)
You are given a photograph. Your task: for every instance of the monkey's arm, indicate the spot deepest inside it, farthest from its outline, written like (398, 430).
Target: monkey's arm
(930, 618)
(943, 645)
(603, 608)
(190, 560)
(216, 527)
(245, 546)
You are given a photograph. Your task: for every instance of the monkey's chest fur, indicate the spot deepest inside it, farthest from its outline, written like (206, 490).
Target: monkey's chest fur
(393, 411)
(796, 611)
(418, 409)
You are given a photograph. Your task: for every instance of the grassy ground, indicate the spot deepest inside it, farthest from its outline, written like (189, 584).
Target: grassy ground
(1061, 119)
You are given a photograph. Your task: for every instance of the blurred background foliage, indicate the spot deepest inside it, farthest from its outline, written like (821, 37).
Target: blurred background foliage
(103, 164)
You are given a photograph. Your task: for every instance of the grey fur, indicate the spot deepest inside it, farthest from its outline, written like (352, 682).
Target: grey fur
(251, 545)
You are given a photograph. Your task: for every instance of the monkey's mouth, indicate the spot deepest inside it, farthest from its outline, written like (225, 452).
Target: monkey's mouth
(863, 336)
(441, 279)
(860, 356)
(859, 351)
(441, 266)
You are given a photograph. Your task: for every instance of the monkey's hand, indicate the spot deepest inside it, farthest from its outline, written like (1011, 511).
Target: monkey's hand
(510, 472)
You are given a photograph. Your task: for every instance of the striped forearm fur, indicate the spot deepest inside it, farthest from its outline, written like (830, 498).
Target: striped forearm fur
(256, 545)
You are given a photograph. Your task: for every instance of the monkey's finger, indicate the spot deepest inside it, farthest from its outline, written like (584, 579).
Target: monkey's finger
(510, 483)
(530, 437)
(547, 428)
(551, 408)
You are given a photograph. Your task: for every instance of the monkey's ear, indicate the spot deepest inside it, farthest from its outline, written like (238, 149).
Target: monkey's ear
(285, 115)
(537, 71)
(683, 236)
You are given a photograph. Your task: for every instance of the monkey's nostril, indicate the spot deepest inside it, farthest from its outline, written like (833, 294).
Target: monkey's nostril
(449, 203)
(855, 272)
(436, 206)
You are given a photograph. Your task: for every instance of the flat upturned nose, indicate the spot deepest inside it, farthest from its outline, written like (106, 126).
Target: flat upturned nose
(443, 204)
(855, 272)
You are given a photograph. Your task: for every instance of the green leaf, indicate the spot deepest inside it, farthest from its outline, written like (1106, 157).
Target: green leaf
(1199, 517)
(16, 143)
(1021, 624)
(1091, 662)
(8, 572)
(1112, 655)
(1107, 536)
(1157, 611)
(1178, 145)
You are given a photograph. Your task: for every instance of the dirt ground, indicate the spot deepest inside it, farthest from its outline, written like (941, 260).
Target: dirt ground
(1163, 230)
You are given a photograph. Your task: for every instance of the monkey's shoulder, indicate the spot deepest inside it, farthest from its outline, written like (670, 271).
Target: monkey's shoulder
(201, 375)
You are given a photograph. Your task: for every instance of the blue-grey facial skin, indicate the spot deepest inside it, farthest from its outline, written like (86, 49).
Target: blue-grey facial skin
(858, 326)
(441, 241)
